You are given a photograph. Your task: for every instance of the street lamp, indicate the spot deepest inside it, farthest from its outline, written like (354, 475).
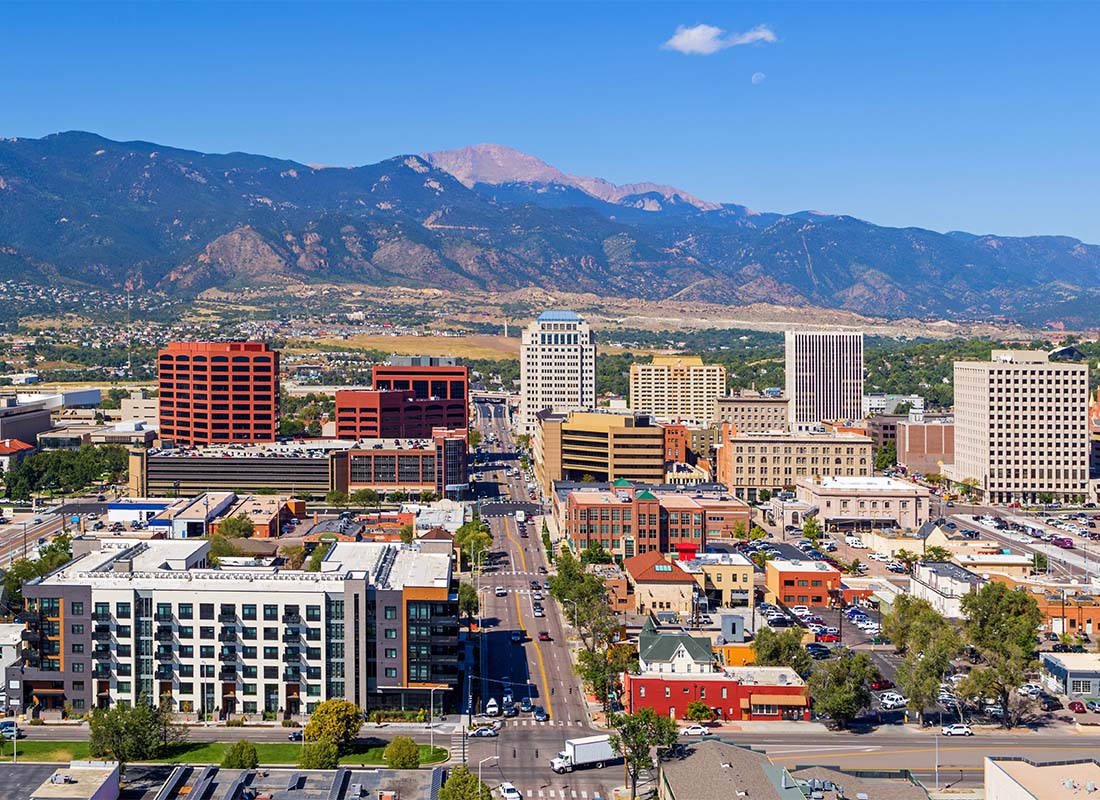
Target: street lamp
(487, 758)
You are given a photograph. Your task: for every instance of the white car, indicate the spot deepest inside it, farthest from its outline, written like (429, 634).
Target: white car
(509, 792)
(879, 557)
(958, 729)
(501, 591)
(800, 610)
(694, 730)
(1029, 688)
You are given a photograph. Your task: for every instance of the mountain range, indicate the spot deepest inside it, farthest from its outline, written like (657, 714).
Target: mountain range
(79, 208)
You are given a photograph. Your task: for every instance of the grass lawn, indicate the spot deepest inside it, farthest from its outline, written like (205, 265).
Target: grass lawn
(211, 753)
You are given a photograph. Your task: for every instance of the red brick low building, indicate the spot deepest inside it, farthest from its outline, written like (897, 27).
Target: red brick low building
(737, 694)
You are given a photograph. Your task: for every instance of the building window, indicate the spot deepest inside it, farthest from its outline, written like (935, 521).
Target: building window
(77, 666)
(641, 691)
(391, 633)
(391, 652)
(391, 612)
(206, 611)
(391, 672)
(765, 710)
(271, 613)
(668, 691)
(187, 611)
(78, 630)
(77, 609)
(1080, 686)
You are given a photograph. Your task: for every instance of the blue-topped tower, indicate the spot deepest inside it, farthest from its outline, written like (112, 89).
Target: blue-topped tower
(557, 366)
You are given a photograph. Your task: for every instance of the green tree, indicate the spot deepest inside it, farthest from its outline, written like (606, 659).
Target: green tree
(1039, 562)
(783, 649)
(294, 555)
(318, 555)
(335, 721)
(408, 533)
(402, 753)
(886, 456)
(468, 601)
(900, 622)
(1000, 624)
(600, 670)
(365, 498)
(237, 527)
(474, 437)
(698, 711)
(322, 754)
(595, 554)
(757, 533)
(635, 738)
(397, 496)
(764, 495)
(427, 496)
(337, 498)
(241, 755)
(937, 553)
(811, 529)
(907, 558)
(970, 487)
(313, 428)
(461, 784)
(841, 688)
(137, 733)
(933, 644)
(740, 530)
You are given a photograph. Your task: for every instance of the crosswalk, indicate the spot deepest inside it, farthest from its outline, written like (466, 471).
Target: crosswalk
(553, 723)
(565, 794)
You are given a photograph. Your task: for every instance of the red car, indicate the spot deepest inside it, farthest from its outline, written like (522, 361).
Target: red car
(882, 683)
(544, 636)
(827, 637)
(1077, 707)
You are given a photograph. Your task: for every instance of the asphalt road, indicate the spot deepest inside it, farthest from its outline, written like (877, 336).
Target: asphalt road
(19, 541)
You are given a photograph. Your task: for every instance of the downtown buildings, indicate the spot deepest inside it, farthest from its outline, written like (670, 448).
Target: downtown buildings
(824, 373)
(377, 625)
(1021, 427)
(677, 388)
(557, 364)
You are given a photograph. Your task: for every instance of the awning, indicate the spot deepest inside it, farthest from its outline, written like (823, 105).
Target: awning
(778, 700)
(744, 703)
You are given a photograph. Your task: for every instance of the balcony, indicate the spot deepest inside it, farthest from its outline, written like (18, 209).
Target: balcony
(291, 637)
(291, 677)
(291, 618)
(29, 635)
(101, 636)
(164, 636)
(28, 618)
(227, 617)
(165, 654)
(101, 671)
(292, 658)
(101, 653)
(227, 636)
(101, 616)
(227, 655)
(228, 675)
(164, 673)
(163, 616)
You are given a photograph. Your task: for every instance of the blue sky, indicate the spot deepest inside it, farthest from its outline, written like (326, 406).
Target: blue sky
(980, 116)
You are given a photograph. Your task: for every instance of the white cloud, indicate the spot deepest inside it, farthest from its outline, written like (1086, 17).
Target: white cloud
(758, 78)
(705, 40)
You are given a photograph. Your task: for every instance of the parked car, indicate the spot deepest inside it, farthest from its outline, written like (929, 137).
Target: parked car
(1093, 705)
(882, 683)
(1049, 703)
(693, 730)
(827, 637)
(484, 732)
(958, 729)
(1077, 707)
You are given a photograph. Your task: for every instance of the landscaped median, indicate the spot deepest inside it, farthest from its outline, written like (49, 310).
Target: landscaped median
(270, 753)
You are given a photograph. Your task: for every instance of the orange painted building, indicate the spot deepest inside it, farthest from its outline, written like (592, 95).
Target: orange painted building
(801, 583)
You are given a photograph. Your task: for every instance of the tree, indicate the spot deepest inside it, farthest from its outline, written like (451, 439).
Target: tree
(427, 496)
(903, 618)
(758, 533)
(461, 784)
(397, 496)
(740, 530)
(1039, 562)
(402, 753)
(764, 495)
(595, 554)
(811, 529)
(137, 733)
(408, 533)
(841, 688)
(468, 601)
(698, 711)
(1000, 624)
(322, 754)
(933, 643)
(783, 649)
(318, 555)
(588, 477)
(335, 721)
(294, 555)
(970, 487)
(237, 527)
(337, 498)
(313, 428)
(907, 557)
(366, 498)
(636, 736)
(241, 755)
(886, 456)
(937, 553)
(474, 437)
(600, 669)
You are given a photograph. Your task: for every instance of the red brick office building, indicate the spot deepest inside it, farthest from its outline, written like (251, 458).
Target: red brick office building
(218, 393)
(406, 402)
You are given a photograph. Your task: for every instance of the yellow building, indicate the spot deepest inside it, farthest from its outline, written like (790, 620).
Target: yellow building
(677, 388)
(726, 579)
(606, 446)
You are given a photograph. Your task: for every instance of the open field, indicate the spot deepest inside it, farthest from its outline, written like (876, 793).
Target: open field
(208, 753)
(473, 346)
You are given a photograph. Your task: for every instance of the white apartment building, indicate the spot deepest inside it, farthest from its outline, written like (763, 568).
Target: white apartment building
(677, 388)
(824, 372)
(125, 619)
(557, 365)
(1021, 427)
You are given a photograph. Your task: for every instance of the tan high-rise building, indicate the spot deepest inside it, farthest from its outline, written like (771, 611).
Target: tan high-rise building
(1021, 427)
(557, 366)
(824, 371)
(677, 388)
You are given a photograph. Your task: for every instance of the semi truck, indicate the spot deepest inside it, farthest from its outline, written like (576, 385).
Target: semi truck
(591, 751)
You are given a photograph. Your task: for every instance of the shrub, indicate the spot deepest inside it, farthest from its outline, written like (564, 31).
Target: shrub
(290, 723)
(241, 755)
(36, 721)
(319, 755)
(234, 723)
(335, 721)
(402, 753)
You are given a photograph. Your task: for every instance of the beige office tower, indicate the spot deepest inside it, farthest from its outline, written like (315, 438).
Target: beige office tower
(1021, 427)
(557, 367)
(677, 388)
(824, 377)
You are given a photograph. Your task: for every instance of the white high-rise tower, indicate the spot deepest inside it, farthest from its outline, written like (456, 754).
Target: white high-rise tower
(557, 363)
(824, 377)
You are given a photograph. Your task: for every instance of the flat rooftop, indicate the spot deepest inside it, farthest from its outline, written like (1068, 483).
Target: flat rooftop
(1051, 781)
(785, 565)
(1076, 662)
(869, 484)
(79, 781)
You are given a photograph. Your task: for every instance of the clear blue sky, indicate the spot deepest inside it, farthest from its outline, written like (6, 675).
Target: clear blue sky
(982, 116)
